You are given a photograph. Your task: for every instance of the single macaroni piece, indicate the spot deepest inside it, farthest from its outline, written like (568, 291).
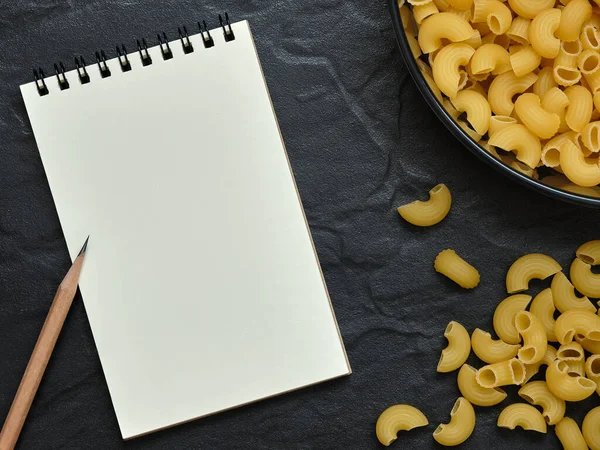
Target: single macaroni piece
(477, 108)
(589, 38)
(524, 59)
(503, 373)
(590, 135)
(462, 4)
(532, 369)
(519, 30)
(556, 101)
(543, 308)
(579, 111)
(566, 76)
(489, 350)
(592, 346)
(537, 393)
(461, 426)
(542, 33)
(504, 87)
(443, 26)
(517, 138)
(572, 18)
(580, 170)
(540, 122)
(490, 58)
(422, 12)
(589, 65)
(591, 428)
(577, 322)
(592, 370)
(398, 418)
(494, 13)
(584, 280)
(522, 415)
(499, 122)
(458, 349)
(545, 81)
(569, 435)
(448, 263)
(530, 8)
(569, 387)
(477, 395)
(446, 67)
(564, 296)
(568, 54)
(528, 267)
(474, 41)
(430, 212)
(504, 317)
(589, 252)
(572, 353)
(535, 343)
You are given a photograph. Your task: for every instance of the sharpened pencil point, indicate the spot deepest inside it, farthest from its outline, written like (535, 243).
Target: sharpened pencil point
(82, 251)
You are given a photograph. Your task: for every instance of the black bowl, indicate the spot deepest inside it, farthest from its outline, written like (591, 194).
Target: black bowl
(462, 136)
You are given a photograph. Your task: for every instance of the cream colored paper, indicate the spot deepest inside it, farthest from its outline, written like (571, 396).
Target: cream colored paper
(201, 283)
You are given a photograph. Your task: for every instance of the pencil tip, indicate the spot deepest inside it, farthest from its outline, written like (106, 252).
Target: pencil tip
(82, 251)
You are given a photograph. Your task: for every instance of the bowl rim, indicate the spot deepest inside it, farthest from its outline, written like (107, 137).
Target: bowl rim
(463, 137)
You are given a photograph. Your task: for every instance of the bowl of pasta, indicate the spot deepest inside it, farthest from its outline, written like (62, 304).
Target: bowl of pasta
(516, 82)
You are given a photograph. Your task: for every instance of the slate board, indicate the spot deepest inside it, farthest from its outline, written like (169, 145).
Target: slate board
(361, 141)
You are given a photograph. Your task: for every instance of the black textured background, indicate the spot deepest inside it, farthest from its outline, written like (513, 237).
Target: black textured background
(361, 142)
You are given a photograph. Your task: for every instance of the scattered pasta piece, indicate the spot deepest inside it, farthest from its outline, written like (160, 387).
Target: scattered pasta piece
(461, 425)
(448, 263)
(534, 337)
(489, 350)
(501, 374)
(569, 435)
(504, 317)
(458, 349)
(476, 394)
(591, 428)
(538, 393)
(398, 418)
(528, 267)
(569, 387)
(522, 415)
(430, 212)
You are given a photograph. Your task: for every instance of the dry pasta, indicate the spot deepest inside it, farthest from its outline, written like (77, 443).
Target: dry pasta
(591, 428)
(460, 427)
(448, 263)
(430, 212)
(458, 349)
(522, 415)
(569, 435)
(398, 418)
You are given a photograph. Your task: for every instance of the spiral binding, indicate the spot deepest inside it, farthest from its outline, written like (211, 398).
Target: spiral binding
(142, 45)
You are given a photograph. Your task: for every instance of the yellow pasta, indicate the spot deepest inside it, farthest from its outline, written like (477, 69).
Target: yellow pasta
(489, 350)
(504, 317)
(575, 322)
(442, 26)
(556, 101)
(430, 212)
(458, 349)
(463, 14)
(442, 5)
(542, 33)
(528, 267)
(447, 64)
(589, 252)
(540, 122)
(543, 308)
(448, 263)
(499, 122)
(474, 41)
(532, 369)
(568, 53)
(418, 2)
(551, 151)
(592, 370)
(545, 81)
(566, 76)
(461, 4)
(592, 346)
(579, 111)
(564, 296)
(474, 393)
(519, 30)
(569, 387)
(590, 40)
(398, 418)
(504, 87)
(530, 8)
(517, 138)
(522, 415)
(572, 353)
(422, 12)
(461, 426)
(534, 337)
(591, 428)
(537, 393)
(589, 66)
(590, 135)
(494, 13)
(569, 435)
(572, 18)
(490, 58)
(524, 60)
(582, 277)
(477, 108)
(577, 168)
(502, 373)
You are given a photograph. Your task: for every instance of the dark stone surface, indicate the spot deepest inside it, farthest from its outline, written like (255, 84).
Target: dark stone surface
(361, 142)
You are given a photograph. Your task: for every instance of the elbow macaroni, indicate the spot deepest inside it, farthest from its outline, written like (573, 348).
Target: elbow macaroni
(577, 168)
(579, 111)
(537, 393)
(458, 349)
(517, 138)
(542, 33)
(564, 296)
(543, 308)
(540, 122)
(477, 108)
(572, 18)
(591, 428)
(446, 67)
(519, 30)
(569, 387)
(430, 212)
(584, 280)
(494, 13)
(589, 252)
(504, 87)
(398, 418)
(569, 435)
(572, 353)
(443, 26)
(477, 395)
(489, 350)
(528, 267)
(577, 322)
(592, 370)
(461, 426)
(535, 343)
(522, 415)
(490, 58)
(503, 373)
(504, 317)
(451, 265)
(530, 8)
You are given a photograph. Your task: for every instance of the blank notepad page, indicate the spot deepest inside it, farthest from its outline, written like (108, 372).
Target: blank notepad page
(201, 283)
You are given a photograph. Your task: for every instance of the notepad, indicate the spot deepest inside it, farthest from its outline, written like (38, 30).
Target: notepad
(201, 282)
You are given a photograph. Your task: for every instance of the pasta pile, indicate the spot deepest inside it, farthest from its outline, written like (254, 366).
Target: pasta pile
(526, 74)
(529, 337)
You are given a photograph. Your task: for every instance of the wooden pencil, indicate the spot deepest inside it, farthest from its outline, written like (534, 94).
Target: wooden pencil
(41, 354)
